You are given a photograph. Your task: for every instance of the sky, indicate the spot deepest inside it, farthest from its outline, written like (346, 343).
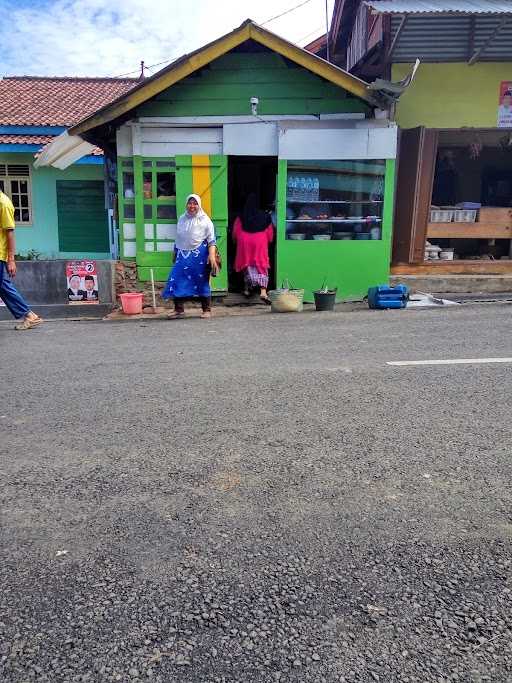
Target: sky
(111, 37)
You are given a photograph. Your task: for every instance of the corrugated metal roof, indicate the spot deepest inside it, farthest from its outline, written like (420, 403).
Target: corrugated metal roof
(452, 39)
(441, 6)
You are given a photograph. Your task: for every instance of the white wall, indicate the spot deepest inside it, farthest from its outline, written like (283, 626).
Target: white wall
(287, 139)
(337, 143)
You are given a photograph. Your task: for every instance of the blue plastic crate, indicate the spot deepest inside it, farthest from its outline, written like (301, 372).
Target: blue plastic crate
(384, 296)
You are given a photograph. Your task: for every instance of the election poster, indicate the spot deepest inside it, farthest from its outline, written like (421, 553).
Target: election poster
(505, 105)
(82, 282)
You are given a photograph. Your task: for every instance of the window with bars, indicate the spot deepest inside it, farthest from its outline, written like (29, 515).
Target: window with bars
(15, 181)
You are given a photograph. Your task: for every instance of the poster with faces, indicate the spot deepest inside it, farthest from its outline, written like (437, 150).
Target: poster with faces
(82, 282)
(505, 105)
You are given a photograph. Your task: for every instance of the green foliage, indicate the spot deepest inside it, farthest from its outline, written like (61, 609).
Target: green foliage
(31, 255)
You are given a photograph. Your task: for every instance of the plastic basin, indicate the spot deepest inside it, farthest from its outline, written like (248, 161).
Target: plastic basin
(131, 303)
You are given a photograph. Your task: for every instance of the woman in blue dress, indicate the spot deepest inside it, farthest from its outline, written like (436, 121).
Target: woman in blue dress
(194, 251)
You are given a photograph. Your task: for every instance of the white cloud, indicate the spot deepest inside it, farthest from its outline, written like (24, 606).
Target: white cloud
(95, 38)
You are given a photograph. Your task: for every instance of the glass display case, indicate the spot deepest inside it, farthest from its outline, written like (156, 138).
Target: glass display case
(335, 200)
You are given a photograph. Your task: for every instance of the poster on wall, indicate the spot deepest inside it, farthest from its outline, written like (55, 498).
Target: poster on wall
(505, 105)
(82, 282)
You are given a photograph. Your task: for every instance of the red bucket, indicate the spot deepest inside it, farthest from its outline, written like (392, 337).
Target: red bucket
(131, 303)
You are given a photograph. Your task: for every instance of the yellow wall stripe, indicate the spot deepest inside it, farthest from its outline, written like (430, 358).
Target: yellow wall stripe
(201, 181)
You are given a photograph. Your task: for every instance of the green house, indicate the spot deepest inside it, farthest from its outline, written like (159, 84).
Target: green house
(253, 112)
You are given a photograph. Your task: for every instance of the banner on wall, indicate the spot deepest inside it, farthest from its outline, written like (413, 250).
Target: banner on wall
(505, 105)
(82, 282)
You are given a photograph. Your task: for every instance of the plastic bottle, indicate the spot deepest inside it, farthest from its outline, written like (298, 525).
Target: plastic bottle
(309, 188)
(295, 187)
(302, 189)
(290, 185)
(316, 189)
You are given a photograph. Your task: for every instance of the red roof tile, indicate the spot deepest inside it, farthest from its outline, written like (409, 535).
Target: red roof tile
(8, 139)
(46, 101)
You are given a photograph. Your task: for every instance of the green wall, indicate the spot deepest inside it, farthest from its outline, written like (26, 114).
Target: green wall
(225, 87)
(451, 95)
(42, 236)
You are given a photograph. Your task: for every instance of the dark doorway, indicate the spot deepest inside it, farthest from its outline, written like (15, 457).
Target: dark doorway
(245, 175)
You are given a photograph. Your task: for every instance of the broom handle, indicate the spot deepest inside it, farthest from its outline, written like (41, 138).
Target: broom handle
(153, 288)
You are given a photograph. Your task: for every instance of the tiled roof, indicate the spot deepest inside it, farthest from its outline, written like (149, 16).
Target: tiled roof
(9, 139)
(46, 101)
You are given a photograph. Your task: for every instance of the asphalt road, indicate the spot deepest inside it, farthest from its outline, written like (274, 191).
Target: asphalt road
(257, 499)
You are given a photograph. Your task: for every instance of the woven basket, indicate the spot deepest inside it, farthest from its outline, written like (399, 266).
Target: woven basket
(286, 300)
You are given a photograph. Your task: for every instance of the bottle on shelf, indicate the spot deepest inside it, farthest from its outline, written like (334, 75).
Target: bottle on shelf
(309, 188)
(316, 189)
(302, 189)
(296, 183)
(295, 187)
(290, 188)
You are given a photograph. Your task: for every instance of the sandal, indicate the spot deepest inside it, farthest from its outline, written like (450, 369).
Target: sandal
(175, 315)
(266, 300)
(29, 323)
(206, 315)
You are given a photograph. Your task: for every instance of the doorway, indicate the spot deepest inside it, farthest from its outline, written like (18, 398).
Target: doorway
(246, 175)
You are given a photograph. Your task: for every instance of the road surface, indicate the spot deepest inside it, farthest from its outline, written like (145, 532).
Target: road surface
(258, 499)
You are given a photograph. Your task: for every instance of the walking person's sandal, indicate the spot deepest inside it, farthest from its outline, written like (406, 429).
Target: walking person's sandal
(29, 323)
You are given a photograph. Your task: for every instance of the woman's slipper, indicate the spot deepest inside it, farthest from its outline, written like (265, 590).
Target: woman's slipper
(266, 300)
(175, 315)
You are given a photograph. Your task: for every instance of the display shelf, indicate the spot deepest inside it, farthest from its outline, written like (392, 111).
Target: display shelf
(333, 201)
(480, 230)
(457, 267)
(333, 220)
(333, 171)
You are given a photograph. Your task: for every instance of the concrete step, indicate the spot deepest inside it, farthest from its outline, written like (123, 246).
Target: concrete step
(65, 311)
(456, 284)
(238, 299)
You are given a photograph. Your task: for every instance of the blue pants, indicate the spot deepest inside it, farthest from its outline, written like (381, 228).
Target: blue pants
(10, 295)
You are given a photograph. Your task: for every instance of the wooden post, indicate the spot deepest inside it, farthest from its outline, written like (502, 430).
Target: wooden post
(327, 31)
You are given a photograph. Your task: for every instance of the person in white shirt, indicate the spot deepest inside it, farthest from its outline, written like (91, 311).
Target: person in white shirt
(195, 260)
(74, 291)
